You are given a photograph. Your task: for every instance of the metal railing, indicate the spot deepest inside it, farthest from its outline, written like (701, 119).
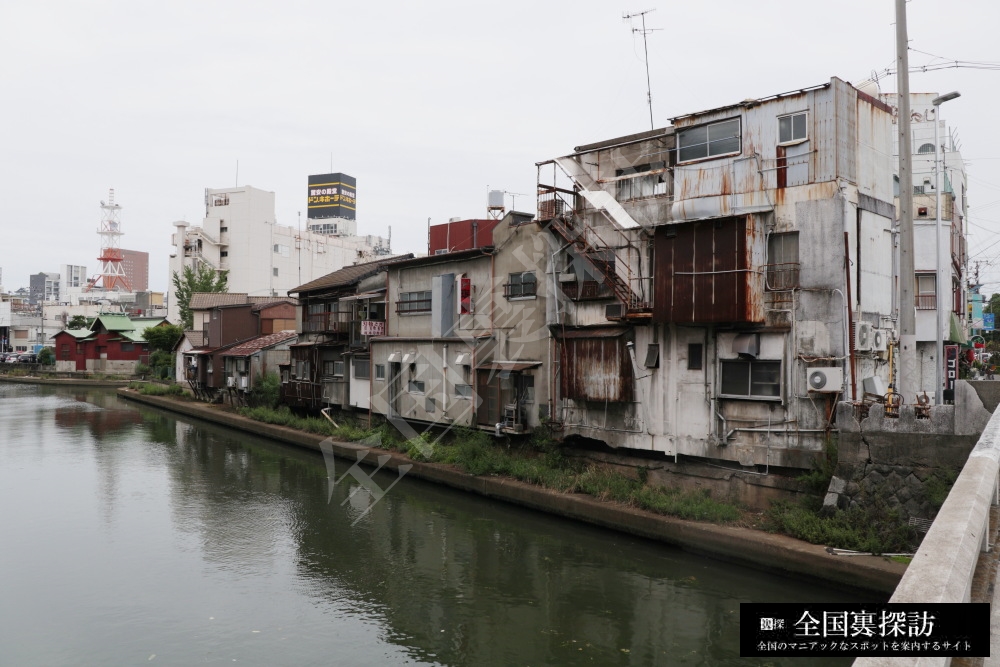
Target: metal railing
(926, 301)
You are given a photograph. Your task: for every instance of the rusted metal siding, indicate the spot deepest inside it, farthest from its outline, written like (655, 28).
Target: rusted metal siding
(596, 366)
(705, 272)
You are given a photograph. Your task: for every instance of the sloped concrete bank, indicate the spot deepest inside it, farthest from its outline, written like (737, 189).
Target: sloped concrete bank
(740, 545)
(65, 382)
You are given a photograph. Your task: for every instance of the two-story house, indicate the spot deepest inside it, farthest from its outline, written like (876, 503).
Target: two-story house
(339, 314)
(466, 342)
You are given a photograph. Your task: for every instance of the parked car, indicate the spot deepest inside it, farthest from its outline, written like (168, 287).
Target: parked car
(27, 358)
(11, 358)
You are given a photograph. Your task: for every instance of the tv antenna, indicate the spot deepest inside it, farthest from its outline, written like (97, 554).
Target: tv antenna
(645, 31)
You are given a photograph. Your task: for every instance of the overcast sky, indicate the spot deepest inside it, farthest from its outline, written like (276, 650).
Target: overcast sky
(427, 104)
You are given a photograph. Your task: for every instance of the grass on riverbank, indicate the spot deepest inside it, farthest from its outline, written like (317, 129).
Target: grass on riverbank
(153, 389)
(537, 461)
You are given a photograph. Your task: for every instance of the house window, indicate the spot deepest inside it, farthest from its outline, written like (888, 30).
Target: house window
(362, 369)
(380, 371)
(64, 351)
(926, 148)
(274, 272)
(751, 378)
(223, 229)
(128, 347)
(704, 141)
(782, 261)
(520, 285)
(223, 253)
(792, 127)
(415, 386)
(526, 388)
(463, 390)
(338, 369)
(926, 297)
(636, 182)
(328, 368)
(414, 302)
(695, 356)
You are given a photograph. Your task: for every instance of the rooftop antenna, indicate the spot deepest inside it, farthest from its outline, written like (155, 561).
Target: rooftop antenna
(645, 31)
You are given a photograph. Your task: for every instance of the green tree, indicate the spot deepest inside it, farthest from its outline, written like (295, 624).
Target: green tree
(205, 279)
(46, 356)
(78, 322)
(163, 337)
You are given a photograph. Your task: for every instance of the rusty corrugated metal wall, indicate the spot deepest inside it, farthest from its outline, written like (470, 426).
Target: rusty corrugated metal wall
(703, 272)
(596, 366)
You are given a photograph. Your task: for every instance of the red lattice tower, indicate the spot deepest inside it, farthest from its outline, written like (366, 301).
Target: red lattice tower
(112, 276)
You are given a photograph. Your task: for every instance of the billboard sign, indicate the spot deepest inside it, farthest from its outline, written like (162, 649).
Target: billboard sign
(332, 196)
(372, 328)
(988, 322)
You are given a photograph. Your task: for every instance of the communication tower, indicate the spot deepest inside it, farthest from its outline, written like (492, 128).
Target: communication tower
(112, 276)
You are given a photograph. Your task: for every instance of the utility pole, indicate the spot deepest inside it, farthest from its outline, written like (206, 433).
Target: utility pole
(645, 48)
(907, 315)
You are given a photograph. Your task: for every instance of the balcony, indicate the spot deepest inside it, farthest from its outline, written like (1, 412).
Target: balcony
(331, 322)
(782, 276)
(926, 301)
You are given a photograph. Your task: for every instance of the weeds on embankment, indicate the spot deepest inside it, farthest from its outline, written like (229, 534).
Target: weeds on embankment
(152, 389)
(874, 528)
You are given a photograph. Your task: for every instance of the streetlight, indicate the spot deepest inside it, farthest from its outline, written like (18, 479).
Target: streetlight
(939, 301)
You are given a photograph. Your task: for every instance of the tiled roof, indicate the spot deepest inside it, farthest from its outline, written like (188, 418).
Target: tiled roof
(206, 300)
(197, 338)
(269, 301)
(349, 275)
(259, 343)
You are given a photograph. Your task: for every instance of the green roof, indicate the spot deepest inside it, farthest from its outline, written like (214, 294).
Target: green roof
(113, 323)
(78, 333)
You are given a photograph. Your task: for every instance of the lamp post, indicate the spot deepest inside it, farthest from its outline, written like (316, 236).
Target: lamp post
(940, 277)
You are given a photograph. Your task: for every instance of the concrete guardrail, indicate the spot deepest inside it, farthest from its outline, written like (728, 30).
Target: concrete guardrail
(943, 567)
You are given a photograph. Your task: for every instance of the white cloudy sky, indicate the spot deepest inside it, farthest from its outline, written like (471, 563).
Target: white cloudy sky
(427, 104)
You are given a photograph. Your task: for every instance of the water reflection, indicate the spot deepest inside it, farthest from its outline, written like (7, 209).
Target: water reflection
(427, 575)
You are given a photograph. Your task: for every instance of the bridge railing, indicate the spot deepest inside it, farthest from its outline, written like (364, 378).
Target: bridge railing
(943, 567)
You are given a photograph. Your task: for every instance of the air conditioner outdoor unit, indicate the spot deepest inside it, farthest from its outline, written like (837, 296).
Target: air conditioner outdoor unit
(863, 336)
(825, 379)
(880, 340)
(230, 381)
(244, 382)
(614, 311)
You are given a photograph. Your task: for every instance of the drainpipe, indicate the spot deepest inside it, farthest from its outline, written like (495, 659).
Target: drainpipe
(444, 381)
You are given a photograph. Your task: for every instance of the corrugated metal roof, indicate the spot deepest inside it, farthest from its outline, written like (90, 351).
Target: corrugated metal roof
(206, 300)
(113, 323)
(508, 365)
(259, 343)
(349, 275)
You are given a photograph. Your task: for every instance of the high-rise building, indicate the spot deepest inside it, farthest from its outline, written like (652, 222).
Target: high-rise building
(43, 287)
(136, 265)
(239, 235)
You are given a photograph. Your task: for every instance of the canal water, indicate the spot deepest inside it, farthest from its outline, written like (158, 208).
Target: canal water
(130, 536)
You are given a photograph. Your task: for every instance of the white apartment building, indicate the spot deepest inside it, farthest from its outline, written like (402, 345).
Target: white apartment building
(952, 242)
(239, 235)
(73, 283)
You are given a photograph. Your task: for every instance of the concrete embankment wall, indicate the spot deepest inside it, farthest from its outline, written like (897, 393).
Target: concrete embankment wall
(900, 460)
(741, 545)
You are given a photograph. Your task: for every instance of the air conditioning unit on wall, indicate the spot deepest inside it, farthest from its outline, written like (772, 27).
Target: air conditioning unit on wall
(880, 340)
(825, 379)
(863, 336)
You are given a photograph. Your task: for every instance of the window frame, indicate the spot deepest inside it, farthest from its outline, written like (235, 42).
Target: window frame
(794, 139)
(708, 141)
(775, 366)
(515, 289)
(416, 387)
(380, 372)
(630, 182)
(406, 298)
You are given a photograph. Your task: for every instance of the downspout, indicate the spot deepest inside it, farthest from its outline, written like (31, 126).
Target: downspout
(850, 315)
